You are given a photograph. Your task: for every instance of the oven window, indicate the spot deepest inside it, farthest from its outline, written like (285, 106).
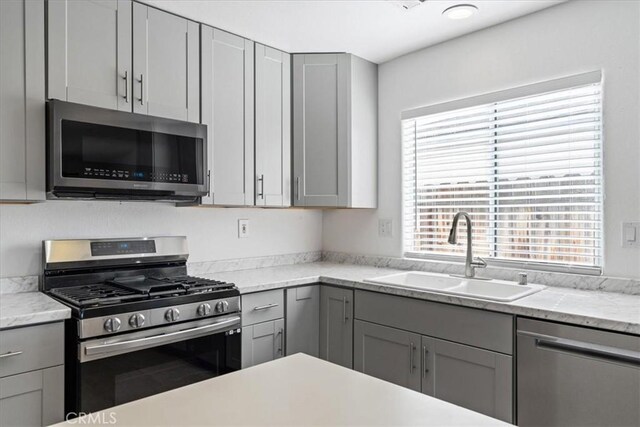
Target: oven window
(113, 153)
(119, 379)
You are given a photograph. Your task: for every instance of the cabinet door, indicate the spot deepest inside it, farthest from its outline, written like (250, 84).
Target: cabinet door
(22, 113)
(387, 353)
(320, 129)
(34, 398)
(262, 342)
(336, 325)
(165, 64)
(303, 320)
(89, 58)
(227, 110)
(273, 127)
(476, 379)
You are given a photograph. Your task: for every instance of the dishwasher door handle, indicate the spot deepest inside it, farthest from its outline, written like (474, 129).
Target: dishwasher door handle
(581, 348)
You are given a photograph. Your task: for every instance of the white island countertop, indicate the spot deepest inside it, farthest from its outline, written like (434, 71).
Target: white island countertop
(292, 391)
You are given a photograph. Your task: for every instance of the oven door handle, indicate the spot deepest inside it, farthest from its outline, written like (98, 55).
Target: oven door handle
(155, 340)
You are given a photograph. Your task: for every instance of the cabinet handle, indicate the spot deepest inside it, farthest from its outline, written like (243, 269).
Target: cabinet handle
(126, 86)
(297, 188)
(141, 89)
(281, 333)
(411, 364)
(261, 182)
(425, 353)
(10, 354)
(345, 301)
(265, 307)
(209, 183)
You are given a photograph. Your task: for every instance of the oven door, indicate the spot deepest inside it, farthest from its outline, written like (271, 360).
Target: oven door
(112, 371)
(101, 153)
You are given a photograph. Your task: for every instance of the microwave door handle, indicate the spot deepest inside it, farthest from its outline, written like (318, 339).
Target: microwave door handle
(155, 340)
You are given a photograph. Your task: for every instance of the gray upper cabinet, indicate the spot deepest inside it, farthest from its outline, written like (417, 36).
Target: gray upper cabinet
(336, 325)
(335, 103)
(470, 377)
(166, 69)
(89, 52)
(303, 317)
(262, 342)
(22, 113)
(272, 126)
(227, 110)
(387, 353)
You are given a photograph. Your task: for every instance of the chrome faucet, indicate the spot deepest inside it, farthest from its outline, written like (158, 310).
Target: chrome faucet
(469, 265)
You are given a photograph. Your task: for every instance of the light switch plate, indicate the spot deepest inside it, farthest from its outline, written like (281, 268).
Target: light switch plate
(243, 228)
(385, 227)
(631, 234)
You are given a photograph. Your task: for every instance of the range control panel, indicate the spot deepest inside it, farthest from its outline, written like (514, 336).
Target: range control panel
(123, 247)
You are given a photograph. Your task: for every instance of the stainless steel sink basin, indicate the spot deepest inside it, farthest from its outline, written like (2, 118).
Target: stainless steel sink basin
(495, 290)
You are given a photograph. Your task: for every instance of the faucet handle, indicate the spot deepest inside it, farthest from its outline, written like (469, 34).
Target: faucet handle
(522, 278)
(479, 262)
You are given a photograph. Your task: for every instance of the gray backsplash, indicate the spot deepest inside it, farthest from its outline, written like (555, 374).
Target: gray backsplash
(574, 281)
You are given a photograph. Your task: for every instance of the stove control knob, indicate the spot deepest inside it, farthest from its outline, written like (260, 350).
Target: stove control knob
(222, 306)
(204, 309)
(172, 315)
(112, 324)
(136, 320)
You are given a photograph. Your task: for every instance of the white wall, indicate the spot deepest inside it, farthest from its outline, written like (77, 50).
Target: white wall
(571, 38)
(212, 233)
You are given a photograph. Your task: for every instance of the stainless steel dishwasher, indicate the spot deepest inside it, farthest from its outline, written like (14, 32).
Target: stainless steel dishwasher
(574, 376)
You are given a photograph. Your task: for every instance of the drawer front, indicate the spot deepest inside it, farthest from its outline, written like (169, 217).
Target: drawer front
(479, 328)
(262, 307)
(30, 348)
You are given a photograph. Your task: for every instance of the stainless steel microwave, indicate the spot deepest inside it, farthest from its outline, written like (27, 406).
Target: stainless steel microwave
(96, 153)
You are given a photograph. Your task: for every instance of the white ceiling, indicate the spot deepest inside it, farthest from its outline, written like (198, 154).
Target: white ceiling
(377, 30)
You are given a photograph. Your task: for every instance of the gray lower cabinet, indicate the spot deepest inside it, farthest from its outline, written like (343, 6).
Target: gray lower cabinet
(262, 342)
(32, 375)
(303, 320)
(22, 92)
(335, 98)
(166, 64)
(387, 353)
(470, 377)
(89, 52)
(272, 126)
(227, 110)
(336, 325)
(32, 399)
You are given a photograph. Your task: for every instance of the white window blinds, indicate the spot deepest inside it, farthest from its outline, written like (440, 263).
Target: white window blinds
(527, 170)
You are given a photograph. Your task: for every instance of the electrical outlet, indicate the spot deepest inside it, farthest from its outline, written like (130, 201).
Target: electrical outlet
(243, 228)
(385, 228)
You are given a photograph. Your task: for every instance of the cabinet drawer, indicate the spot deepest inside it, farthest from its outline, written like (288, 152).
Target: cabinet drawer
(30, 348)
(262, 306)
(479, 328)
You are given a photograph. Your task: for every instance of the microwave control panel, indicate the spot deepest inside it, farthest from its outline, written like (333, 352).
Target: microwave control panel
(119, 174)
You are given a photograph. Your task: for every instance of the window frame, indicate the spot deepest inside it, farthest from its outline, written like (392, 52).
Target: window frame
(504, 95)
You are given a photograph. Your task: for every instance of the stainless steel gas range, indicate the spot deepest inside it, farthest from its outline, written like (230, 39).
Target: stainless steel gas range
(140, 324)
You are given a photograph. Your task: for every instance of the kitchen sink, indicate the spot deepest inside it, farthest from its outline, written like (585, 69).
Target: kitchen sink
(489, 289)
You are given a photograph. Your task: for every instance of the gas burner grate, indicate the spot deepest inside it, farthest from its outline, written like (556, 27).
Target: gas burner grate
(95, 294)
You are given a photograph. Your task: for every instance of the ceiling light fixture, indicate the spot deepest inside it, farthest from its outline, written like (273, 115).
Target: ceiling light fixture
(460, 11)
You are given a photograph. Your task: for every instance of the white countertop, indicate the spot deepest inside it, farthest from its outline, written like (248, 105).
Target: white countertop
(30, 308)
(293, 391)
(605, 310)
